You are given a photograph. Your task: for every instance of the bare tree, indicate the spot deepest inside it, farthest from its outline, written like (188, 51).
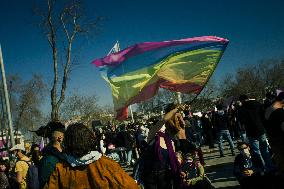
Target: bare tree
(84, 108)
(253, 80)
(205, 100)
(63, 22)
(157, 102)
(26, 99)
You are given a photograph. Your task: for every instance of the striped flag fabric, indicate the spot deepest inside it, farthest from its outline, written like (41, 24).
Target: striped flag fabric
(136, 73)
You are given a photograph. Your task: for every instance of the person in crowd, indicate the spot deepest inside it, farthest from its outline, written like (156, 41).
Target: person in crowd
(102, 144)
(189, 131)
(22, 164)
(86, 168)
(269, 97)
(124, 141)
(179, 156)
(110, 138)
(176, 128)
(221, 125)
(4, 174)
(32, 176)
(198, 127)
(28, 149)
(141, 138)
(233, 127)
(193, 172)
(251, 115)
(248, 167)
(35, 154)
(275, 130)
(160, 164)
(52, 153)
(240, 127)
(208, 130)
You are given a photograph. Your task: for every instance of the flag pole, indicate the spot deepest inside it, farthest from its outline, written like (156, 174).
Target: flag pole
(179, 97)
(7, 101)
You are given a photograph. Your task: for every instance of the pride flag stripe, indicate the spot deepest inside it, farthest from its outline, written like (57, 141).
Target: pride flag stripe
(136, 73)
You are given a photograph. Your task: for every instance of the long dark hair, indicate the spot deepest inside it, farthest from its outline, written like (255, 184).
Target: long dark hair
(79, 140)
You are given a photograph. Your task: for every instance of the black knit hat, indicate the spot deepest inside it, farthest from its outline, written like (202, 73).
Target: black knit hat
(46, 131)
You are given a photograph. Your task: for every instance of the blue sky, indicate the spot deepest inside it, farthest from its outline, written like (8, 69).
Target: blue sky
(255, 29)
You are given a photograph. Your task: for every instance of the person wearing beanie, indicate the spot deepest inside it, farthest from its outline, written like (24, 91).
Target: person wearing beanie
(85, 167)
(53, 152)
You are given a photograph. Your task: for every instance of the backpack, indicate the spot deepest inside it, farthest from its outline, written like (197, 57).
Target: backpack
(32, 176)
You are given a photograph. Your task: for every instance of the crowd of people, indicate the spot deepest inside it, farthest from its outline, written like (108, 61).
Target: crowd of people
(165, 152)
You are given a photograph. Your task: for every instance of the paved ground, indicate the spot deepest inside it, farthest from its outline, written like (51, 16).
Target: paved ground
(218, 169)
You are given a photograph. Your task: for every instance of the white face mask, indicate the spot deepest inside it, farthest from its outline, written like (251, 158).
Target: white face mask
(189, 161)
(163, 129)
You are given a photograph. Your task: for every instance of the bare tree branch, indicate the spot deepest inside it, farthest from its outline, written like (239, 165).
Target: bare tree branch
(65, 25)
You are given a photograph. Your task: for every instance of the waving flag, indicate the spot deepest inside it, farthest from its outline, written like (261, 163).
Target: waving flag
(136, 73)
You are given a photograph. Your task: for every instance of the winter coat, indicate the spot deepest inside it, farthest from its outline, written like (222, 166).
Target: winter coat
(90, 172)
(51, 156)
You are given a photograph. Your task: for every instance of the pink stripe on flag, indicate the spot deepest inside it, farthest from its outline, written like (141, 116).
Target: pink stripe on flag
(117, 58)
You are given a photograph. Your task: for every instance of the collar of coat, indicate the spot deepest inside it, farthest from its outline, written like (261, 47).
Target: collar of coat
(84, 160)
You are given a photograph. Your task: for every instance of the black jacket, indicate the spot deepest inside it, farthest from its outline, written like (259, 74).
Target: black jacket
(251, 115)
(241, 161)
(221, 120)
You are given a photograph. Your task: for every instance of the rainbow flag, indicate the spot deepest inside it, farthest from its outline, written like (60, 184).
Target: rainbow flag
(136, 73)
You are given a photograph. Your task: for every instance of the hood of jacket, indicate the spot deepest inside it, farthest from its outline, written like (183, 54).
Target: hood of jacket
(87, 159)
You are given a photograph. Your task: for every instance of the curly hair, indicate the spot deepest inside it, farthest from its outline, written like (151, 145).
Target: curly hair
(79, 140)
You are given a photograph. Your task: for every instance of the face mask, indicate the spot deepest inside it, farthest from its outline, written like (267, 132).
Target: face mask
(163, 129)
(189, 160)
(221, 112)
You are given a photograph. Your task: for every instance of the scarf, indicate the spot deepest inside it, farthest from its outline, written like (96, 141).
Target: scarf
(172, 156)
(85, 160)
